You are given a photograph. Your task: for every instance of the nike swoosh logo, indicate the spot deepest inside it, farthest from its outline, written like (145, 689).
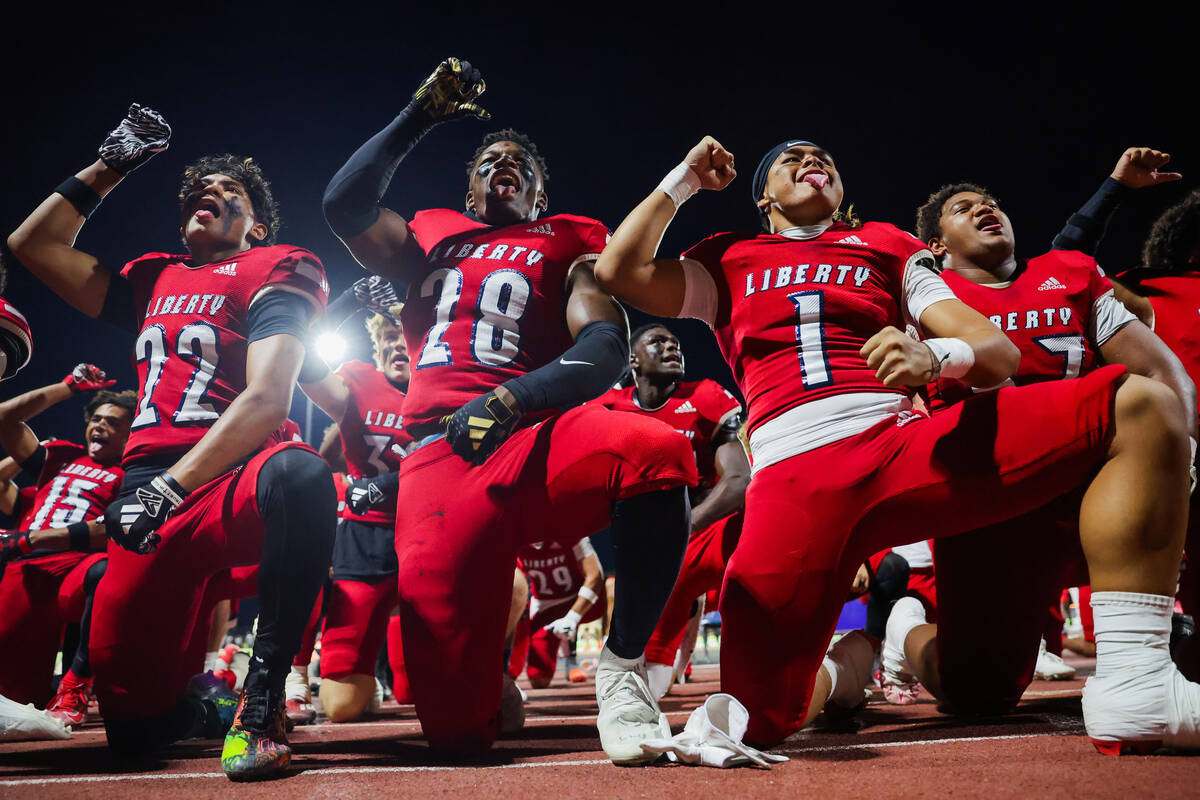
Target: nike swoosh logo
(566, 363)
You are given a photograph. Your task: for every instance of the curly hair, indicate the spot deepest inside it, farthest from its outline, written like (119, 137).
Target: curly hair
(245, 171)
(126, 400)
(378, 324)
(1175, 236)
(929, 215)
(509, 135)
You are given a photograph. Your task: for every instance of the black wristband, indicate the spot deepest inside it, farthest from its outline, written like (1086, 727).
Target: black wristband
(80, 537)
(85, 199)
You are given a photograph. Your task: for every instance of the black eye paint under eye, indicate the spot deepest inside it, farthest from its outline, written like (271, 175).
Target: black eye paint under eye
(485, 169)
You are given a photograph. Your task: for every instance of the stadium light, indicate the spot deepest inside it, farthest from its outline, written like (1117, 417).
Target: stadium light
(331, 347)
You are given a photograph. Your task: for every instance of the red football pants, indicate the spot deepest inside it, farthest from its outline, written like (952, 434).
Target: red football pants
(151, 614)
(356, 622)
(812, 519)
(458, 529)
(703, 570)
(38, 596)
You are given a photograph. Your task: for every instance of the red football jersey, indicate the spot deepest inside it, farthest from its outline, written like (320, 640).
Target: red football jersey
(370, 430)
(696, 409)
(1175, 297)
(191, 351)
(793, 314)
(1046, 311)
(553, 571)
(491, 306)
(71, 488)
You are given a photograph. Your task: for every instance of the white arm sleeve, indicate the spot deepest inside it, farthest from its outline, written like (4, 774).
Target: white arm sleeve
(1109, 315)
(699, 293)
(922, 287)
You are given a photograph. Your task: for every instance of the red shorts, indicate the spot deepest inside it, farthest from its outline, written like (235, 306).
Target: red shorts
(356, 622)
(161, 603)
(813, 519)
(708, 552)
(458, 529)
(38, 596)
(923, 586)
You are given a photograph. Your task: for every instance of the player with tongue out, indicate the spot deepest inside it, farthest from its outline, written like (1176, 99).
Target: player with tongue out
(811, 314)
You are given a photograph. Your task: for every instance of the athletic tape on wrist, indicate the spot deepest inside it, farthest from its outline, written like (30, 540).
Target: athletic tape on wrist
(588, 594)
(85, 199)
(79, 536)
(954, 357)
(680, 184)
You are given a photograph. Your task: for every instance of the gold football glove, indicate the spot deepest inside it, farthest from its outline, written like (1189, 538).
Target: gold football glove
(450, 92)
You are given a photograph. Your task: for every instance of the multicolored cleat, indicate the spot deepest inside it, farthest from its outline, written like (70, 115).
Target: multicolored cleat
(256, 747)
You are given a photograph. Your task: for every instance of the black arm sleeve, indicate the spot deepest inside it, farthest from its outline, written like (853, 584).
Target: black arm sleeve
(1084, 230)
(119, 309)
(728, 432)
(587, 370)
(278, 312)
(33, 466)
(351, 201)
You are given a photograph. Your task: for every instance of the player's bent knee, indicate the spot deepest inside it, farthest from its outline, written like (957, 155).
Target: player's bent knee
(91, 578)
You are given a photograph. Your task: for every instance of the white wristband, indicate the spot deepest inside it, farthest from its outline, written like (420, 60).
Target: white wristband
(572, 618)
(680, 184)
(954, 355)
(588, 594)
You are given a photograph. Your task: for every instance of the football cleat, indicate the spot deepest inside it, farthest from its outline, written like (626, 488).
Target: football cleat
(1136, 714)
(297, 699)
(1051, 667)
(20, 722)
(219, 701)
(629, 714)
(576, 675)
(256, 746)
(70, 703)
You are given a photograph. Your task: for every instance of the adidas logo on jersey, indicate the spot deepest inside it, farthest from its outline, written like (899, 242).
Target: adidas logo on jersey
(543, 229)
(852, 239)
(1050, 284)
(686, 408)
(226, 269)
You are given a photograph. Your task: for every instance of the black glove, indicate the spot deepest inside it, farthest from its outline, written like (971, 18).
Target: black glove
(135, 140)
(450, 92)
(14, 545)
(363, 494)
(376, 293)
(132, 521)
(479, 427)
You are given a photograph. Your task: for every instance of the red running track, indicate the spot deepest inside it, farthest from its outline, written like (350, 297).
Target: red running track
(887, 752)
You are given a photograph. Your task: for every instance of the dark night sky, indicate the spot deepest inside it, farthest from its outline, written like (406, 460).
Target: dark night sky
(1035, 106)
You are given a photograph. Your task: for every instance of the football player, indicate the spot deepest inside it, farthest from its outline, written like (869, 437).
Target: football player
(566, 587)
(55, 556)
(811, 313)
(1060, 310)
(709, 416)
(364, 401)
(219, 343)
(506, 326)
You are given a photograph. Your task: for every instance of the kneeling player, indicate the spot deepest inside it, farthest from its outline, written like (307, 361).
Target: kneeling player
(219, 344)
(51, 575)
(506, 325)
(709, 417)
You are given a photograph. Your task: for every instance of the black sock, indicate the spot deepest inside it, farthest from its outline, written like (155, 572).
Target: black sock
(649, 536)
(298, 506)
(81, 665)
(888, 584)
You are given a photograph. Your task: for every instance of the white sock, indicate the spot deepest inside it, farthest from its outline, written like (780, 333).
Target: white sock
(848, 663)
(907, 613)
(212, 661)
(1133, 632)
(658, 676)
(831, 668)
(301, 670)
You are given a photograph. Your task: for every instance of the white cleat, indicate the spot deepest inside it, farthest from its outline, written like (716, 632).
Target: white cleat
(22, 722)
(629, 714)
(512, 706)
(1051, 667)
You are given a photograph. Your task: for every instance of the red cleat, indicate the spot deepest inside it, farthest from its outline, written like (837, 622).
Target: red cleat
(576, 675)
(70, 704)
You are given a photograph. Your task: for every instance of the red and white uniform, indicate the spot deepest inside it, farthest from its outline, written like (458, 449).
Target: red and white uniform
(843, 467)
(191, 349)
(372, 431)
(697, 409)
(490, 307)
(41, 593)
(191, 360)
